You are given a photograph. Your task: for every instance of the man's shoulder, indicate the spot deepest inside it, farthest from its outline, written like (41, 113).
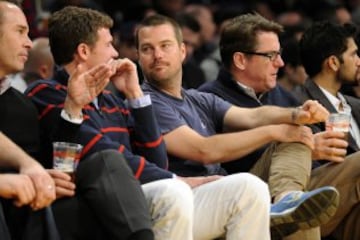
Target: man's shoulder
(208, 86)
(352, 100)
(42, 84)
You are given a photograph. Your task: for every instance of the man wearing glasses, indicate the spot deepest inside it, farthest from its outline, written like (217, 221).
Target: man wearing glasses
(251, 53)
(196, 128)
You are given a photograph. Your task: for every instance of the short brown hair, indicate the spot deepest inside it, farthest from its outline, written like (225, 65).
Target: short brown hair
(156, 20)
(71, 26)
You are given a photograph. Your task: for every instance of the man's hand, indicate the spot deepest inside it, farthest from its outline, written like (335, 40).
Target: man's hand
(330, 145)
(43, 184)
(310, 112)
(64, 187)
(194, 182)
(84, 85)
(18, 187)
(125, 78)
(293, 133)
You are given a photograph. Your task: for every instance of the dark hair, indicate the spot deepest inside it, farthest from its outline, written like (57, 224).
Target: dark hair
(240, 34)
(156, 20)
(71, 26)
(322, 40)
(189, 21)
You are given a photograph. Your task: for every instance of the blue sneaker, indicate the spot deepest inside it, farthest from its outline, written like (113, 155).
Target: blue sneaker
(303, 210)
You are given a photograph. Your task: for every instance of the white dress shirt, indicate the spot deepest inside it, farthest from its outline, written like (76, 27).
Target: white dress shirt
(340, 104)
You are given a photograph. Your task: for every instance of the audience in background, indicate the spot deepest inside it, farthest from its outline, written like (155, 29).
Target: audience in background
(207, 54)
(193, 75)
(39, 65)
(292, 74)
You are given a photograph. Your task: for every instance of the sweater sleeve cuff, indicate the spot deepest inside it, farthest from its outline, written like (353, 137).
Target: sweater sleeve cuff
(141, 102)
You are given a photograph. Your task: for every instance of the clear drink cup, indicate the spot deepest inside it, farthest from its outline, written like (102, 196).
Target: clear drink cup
(339, 122)
(66, 156)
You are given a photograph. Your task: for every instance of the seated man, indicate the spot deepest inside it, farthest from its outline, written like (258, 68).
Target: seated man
(128, 217)
(80, 40)
(190, 121)
(236, 85)
(330, 57)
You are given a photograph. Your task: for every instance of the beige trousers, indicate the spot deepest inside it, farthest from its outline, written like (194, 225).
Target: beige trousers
(228, 208)
(345, 176)
(287, 167)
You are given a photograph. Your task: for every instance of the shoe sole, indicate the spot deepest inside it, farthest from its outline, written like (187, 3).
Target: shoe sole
(313, 212)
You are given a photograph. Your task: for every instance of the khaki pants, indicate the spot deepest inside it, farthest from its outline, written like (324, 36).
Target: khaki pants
(345, 177)
(287, 167)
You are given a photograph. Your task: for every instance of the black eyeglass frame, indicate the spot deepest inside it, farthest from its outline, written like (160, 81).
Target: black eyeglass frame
(272, 55)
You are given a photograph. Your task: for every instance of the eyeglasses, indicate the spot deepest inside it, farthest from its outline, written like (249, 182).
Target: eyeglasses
(272, 56)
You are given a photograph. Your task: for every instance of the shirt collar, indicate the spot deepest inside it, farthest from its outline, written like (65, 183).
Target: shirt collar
(337, 101)
(4, 84)
(250, 91)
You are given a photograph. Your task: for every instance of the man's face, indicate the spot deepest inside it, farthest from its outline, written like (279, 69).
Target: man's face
(296, 75)
(260, 71)
(191, 40)
(14, 41)
(160, 54)
(349, 68)
(103, 50)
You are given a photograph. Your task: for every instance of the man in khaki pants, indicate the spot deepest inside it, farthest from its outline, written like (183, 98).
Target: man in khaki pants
(251, 88)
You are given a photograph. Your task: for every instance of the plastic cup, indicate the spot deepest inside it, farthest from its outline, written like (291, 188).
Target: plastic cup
(339, 122)
(66, 156)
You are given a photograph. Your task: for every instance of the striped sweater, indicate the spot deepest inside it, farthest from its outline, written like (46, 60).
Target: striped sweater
(133, 132)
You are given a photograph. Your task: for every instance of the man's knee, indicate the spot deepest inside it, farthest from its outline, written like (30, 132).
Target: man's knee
(252, 186)
(109, 158)
(172, 197)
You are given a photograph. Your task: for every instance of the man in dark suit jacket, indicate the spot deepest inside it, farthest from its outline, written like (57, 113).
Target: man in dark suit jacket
(249, 80)
(329, 54)
(312, 90)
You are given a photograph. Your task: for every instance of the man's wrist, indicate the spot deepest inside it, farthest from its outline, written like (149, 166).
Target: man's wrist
(71, 111)
(294, 114)
(78, 119)
(134, 94)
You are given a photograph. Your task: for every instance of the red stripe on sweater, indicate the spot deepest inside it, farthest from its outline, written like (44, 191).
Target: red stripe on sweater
(36, 90)
(46, 110)
(109, 110)
(114, 129)
(88, 107)
(59, 86)
(115, 109)
(140, 168)
(150, 144)
(91, 143)
(121, 148)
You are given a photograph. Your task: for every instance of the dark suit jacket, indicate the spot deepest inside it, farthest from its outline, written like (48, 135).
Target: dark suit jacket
(310, 90)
